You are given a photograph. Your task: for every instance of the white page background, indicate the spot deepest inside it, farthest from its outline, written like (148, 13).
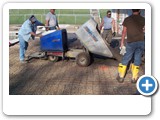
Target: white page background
(155, 73)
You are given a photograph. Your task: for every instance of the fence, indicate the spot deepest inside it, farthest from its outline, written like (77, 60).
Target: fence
(64, 16)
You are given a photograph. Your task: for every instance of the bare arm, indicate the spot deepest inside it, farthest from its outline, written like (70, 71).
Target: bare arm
(47, 24)
(57, 24)
(124, 32)
(101, 25)
(58, 28)
(38, 35)
(113, 24)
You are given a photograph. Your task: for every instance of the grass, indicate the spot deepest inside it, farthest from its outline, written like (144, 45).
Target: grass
(28, 11)
(18, 16)
(73, 11)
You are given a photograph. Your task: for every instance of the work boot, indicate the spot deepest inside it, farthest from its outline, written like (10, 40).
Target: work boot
(135, 71)
(131, 68)
(121, 73)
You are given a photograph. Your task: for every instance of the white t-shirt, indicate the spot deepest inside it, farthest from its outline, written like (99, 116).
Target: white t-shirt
(107, 22)
(52, 19)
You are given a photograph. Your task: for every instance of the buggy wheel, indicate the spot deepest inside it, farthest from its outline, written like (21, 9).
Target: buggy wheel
(83, 59)
(53, 58)
(45, 57)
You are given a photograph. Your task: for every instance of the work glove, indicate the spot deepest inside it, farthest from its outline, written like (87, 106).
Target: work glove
(114, 34)
(122, 50)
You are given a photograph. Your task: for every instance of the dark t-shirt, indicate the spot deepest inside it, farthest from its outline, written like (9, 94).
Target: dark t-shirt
(134, 24)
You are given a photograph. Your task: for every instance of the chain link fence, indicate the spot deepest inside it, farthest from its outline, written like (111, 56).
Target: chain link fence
(75, 16)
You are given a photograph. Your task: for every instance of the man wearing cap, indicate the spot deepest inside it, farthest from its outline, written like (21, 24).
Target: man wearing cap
(51, 20)
(108, 23)
(24, 35)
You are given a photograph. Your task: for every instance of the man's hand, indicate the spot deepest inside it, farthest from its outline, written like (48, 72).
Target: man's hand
(40, 35)
(114, 34)
(58, 28)
(36, 35)
(47, 28)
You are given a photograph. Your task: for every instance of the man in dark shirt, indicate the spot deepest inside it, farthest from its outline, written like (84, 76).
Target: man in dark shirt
(133, 27)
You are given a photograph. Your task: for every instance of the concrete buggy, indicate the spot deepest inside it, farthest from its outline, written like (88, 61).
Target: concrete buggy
(54, 45)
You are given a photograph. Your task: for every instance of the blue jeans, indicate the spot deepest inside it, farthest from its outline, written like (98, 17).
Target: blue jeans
(23, 47)
(135, 50)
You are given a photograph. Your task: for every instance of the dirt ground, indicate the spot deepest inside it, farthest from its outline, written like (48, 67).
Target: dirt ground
(65, 77)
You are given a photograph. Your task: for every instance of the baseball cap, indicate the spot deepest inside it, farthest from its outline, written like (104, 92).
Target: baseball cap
(33, 18)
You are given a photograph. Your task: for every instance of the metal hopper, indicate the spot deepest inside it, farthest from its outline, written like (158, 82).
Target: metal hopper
(92, 40)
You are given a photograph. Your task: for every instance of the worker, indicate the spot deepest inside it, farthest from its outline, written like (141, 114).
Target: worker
(51, 21)
(133, 27)
(24, 36)
(34, 27)
(108, 24)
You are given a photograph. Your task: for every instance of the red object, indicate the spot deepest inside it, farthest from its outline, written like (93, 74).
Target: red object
(55, 53)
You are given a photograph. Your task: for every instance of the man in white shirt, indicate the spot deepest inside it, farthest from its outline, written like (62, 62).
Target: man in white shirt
(24, 35)
(108, 23)
(51, 20)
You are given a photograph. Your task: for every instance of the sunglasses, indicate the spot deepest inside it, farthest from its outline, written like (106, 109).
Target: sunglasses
(109, 14)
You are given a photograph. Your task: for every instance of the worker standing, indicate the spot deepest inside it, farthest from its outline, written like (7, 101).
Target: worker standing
(51, 21)
(108, 24)
(133, 27)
